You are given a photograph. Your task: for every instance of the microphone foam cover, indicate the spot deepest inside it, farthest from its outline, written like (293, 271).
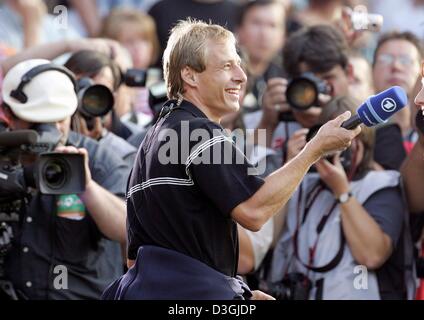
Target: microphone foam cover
(380, 107)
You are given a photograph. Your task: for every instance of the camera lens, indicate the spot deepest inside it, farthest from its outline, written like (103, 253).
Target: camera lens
(55, 173)
(302, 93)
(96, 101)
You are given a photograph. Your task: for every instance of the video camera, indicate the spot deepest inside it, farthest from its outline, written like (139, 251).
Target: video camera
(27, 163)
(28, 160)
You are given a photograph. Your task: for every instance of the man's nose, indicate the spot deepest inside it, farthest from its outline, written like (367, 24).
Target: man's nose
(419, 99)
(396, 64)
(239, 75)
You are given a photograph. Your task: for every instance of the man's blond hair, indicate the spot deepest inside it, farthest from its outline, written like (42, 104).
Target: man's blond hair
(187, 47)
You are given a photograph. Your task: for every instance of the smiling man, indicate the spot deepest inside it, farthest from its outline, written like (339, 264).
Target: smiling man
(182, 217)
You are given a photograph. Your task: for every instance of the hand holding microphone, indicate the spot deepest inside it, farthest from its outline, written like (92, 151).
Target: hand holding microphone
(331, 137)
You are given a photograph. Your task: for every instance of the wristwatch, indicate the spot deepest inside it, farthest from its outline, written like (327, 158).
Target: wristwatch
(344, 197)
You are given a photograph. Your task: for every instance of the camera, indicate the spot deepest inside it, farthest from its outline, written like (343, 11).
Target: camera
(27, 160)
(294, 286)
(134, 78)
(94, 100)
(303, 91)
(362, 20)
(157, 96)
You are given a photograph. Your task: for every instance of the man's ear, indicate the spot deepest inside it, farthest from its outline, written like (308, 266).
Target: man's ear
(189, 76)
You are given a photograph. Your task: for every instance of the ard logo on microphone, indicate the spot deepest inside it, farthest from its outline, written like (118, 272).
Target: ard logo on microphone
(388, 105)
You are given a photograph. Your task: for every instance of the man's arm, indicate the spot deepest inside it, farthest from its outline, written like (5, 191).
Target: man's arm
(107, 210)
(363, 225)
(369, 245)
(280, 185)
(32, 14)
(89, 14)
(53, 50)
(412, 171)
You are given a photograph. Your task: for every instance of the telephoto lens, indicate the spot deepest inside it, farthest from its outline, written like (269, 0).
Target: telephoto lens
(94, 100)
(303, 92)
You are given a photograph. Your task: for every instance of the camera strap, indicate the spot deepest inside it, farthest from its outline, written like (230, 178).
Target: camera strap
(320, 227)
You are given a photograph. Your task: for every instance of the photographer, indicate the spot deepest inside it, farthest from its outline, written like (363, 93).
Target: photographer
(319, 53)
(99, 69)
(82, 232)
(343, 216)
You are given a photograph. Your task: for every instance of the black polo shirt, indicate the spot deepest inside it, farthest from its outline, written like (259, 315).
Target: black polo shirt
(186, 205)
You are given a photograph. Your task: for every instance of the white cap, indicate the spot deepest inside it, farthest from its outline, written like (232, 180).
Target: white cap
(51, 94)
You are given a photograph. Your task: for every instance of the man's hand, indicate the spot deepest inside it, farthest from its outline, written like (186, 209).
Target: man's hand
(259, 295)
(296, 143)
(274, 102)
(333, 175)
(331, 137)
(97, 130)
(345, 25)
(84, 152)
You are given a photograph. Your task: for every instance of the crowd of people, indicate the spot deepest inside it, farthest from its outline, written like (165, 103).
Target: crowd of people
(323, 206)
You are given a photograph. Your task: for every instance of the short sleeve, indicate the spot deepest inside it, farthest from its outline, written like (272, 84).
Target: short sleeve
(222, 172)
(387, 208)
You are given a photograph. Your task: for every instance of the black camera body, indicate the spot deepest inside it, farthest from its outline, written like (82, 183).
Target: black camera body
(27, 161)
(134, 78)
(294, 286)
(302, 92)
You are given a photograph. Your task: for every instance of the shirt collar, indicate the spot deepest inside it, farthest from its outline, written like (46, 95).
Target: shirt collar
(189, 107)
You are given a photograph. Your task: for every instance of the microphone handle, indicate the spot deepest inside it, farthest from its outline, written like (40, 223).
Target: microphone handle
(352, 122)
